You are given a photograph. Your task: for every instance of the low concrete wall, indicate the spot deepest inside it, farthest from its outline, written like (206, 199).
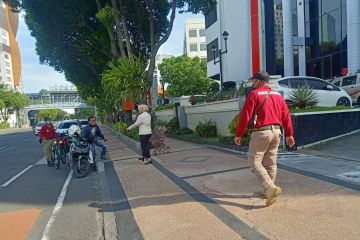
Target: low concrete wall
(221, 113)
(165, 115)
(315, 127)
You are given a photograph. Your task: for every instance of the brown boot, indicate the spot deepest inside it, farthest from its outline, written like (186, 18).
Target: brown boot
(278, 192)
(271, 195)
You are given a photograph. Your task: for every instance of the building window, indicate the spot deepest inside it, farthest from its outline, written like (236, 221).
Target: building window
(211, 17)
(193, 47)
(6, 56)
(192, 33)
(210, 55)
(202, 32)
(202, 47)
(7, 64)
(8, 71)
(9, 79)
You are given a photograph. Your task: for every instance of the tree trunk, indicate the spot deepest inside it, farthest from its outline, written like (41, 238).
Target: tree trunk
(149, 76)
(118, 27)
(126, 31)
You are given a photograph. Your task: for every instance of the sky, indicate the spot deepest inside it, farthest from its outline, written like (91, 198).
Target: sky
(36, 76)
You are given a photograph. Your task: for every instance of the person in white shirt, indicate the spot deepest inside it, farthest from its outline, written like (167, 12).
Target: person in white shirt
(143, 121)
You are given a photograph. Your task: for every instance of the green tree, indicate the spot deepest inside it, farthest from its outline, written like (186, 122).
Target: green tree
(90, 34)
(53, 114)
(11, 101)
(184, 76)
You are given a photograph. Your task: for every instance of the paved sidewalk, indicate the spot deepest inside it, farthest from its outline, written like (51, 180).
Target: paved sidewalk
(196, 192)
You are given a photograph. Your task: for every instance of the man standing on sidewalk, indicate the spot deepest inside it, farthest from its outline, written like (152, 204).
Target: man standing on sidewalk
(265, 111)
(47, 135)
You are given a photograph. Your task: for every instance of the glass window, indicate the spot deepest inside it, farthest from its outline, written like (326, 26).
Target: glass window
(347, 81)
(210, 54)
(316, 84)
(193, 47)
(329, 5)
(6, 56)
(296, 82)
(202, 47)
(337, 83)
(211, 17)
(284, 83)
(192, 33)
(202, 33)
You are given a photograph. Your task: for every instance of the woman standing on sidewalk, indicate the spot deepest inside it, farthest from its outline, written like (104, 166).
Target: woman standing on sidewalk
(143, 121)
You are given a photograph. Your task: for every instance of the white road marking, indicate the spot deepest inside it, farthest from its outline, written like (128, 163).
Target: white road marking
(57, 208)
(1, 148)
(28, 139)
(20, 173)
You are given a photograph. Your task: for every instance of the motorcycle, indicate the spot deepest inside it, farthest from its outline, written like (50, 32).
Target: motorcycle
(81, 156)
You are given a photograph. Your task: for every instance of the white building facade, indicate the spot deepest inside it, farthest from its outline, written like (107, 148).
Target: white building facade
(318, 38)
(195, 38)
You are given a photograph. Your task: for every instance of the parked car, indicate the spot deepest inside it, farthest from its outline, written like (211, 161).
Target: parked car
(351, 84)
(328, 94)
(38, 127)
(64, 126)
(83, 123)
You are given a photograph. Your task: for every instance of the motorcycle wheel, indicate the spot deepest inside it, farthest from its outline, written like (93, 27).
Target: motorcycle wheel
(81, 167)
(63, 156)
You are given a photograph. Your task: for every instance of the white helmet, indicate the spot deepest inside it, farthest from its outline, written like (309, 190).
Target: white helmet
(73, 130)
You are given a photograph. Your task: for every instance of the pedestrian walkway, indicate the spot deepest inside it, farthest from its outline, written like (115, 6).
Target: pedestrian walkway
(196, 192)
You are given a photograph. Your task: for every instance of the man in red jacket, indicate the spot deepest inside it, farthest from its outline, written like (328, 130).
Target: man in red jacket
(266, 111)
(47, 135)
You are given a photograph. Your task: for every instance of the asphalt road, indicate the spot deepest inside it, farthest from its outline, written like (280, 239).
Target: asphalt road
(62, 206)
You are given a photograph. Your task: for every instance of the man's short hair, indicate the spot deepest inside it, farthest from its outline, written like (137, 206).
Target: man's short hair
(91, 118)
(262, 76)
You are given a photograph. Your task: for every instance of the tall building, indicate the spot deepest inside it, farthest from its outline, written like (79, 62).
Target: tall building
(10, 61)
(195, 38)
(285, 37)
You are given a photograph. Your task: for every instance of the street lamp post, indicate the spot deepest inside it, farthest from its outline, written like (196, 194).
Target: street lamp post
(215, 49)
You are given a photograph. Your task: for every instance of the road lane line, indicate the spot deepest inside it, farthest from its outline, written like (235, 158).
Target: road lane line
(28, 139)
(20, 173)
(57, 208)
(1, 148)
(16, 176)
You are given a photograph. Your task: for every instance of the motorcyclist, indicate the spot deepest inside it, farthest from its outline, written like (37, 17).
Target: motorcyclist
(93, 135)
(47, 135)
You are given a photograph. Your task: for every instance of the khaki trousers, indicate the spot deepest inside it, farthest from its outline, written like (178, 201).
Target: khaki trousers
(263, 151)
(48, 149)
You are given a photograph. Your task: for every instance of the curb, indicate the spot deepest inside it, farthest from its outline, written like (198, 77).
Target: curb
(108, 221)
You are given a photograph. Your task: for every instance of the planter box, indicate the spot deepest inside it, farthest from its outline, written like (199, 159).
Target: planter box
(314, 127)
(165, 115)
(133, 144)
(221, 113)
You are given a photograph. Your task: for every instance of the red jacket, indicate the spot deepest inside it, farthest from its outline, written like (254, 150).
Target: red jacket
(273, 112)
(47, 132)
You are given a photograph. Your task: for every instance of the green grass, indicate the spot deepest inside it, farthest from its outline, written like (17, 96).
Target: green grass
(318, 109)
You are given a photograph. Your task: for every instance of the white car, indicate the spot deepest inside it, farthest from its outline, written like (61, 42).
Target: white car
(328, 94)
(65, 125)
(38, 127)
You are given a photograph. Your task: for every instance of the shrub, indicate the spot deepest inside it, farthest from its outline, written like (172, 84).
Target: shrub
(4, 125)
(173, 124)
(121, 128)
(206, 129)
(302, 97)
(160, 123)
(232, 129)
(166, 106)
(233, 123)
(184, 131)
